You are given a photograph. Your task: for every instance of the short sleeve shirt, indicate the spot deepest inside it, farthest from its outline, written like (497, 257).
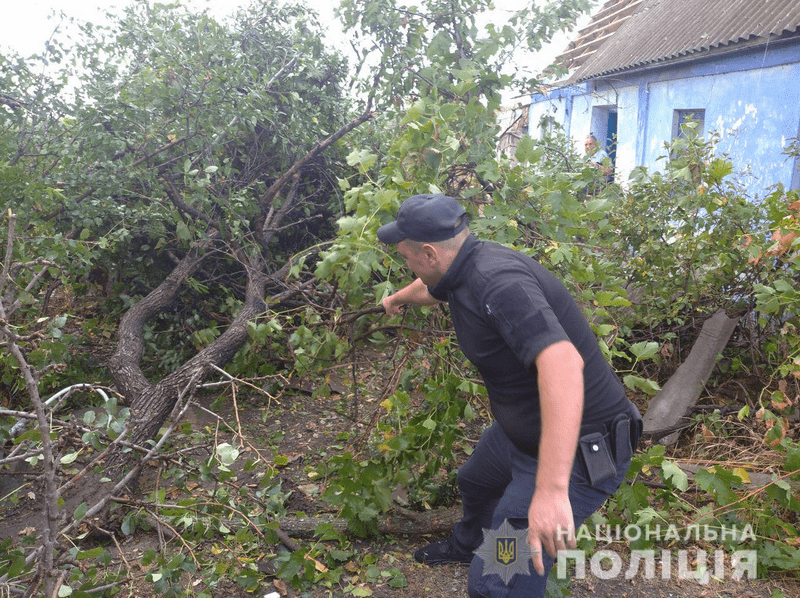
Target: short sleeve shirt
(506, 308)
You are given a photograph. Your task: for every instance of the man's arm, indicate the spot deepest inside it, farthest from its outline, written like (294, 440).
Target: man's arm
(560, 379)
(415, 294)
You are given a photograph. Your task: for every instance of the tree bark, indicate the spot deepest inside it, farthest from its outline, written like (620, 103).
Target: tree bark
(407, 523)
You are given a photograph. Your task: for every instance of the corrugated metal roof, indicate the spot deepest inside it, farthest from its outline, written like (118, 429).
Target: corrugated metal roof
(662, 30)
(602, 26)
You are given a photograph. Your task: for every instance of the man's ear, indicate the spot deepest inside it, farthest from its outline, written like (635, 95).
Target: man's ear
(430, 252)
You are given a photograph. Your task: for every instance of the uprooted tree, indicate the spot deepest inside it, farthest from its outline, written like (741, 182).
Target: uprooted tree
(196, 154)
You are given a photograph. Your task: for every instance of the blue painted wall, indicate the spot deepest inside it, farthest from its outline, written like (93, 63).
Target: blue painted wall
(750, 98)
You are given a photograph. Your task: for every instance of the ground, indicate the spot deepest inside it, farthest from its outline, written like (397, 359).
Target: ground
(301, 426)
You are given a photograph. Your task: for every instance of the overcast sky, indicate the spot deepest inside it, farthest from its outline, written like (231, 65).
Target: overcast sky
(26, 25)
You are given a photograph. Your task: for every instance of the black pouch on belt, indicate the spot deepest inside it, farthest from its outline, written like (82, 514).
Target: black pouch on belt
(621, 435)
(597, 457)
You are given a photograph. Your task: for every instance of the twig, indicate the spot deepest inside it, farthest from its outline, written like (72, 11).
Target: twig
(159, 528)
(58, 584)
(234, 379)
(12, 223)
(175, 533)
(236, 413)
(122, 556)
(51, 508)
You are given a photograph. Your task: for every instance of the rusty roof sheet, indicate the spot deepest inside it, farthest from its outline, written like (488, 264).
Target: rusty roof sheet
(654, 31)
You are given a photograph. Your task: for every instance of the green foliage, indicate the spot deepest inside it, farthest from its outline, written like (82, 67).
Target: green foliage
(413, 451)
(764, 520)
(776, 256)
(680, 234)
(177, 126)
(449, 48)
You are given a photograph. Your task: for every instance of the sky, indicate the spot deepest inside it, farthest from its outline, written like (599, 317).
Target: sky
(27, 24)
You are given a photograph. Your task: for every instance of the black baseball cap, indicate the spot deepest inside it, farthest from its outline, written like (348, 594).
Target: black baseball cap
(425, 218)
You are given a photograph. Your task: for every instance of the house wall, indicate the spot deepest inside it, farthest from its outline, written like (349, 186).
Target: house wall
(751, 99)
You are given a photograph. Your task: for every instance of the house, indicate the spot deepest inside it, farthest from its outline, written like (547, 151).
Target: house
(641, 68)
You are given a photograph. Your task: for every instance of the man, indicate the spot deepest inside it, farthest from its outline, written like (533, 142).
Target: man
(598, 157)
(550, 391)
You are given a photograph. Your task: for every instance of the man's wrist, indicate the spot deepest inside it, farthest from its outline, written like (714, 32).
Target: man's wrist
(552, 487)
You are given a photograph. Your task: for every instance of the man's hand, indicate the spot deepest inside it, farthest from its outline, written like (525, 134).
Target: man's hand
(391, 306)
(550, 525)
(415, 294)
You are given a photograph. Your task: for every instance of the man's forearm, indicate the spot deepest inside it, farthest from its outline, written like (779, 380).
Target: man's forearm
(559, 371)
(560, 380)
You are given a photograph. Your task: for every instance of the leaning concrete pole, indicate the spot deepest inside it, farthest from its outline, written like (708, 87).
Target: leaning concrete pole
(683, 389)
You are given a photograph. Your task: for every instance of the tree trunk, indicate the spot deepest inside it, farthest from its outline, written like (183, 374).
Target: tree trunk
(151, 404)
(407, 523)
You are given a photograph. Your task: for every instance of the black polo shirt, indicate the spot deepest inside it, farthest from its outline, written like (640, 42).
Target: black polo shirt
(507, 308)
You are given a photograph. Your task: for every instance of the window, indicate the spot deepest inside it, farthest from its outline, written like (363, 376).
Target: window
(688, 123)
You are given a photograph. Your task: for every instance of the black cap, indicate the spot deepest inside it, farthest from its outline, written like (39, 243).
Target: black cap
(426, 218)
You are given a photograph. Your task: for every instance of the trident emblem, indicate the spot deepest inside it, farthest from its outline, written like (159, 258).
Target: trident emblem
(506, 551)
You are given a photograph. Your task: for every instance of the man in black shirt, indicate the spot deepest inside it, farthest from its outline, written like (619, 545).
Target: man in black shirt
(551, 392)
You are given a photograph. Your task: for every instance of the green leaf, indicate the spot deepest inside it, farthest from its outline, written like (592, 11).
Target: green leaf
(719, 482)
(645, 350)
(227, 454)
(363, 158)
(634, 382)
(128, 525)
(675, 476)
(611, 299)
(433, 159)
(719, 169)
(645, 516)
(64, 591)
(525, 151)
(183, 231)
(398, 579)
(69, 458)
(80, 511)
(92, 553)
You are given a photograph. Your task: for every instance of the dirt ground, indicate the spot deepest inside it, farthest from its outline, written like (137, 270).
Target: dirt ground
(308, 425)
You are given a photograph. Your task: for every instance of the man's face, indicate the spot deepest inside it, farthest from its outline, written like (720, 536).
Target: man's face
(590, 146)
(422, 260)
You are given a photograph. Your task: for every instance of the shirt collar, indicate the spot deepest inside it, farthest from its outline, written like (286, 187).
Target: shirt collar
(454, 275)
